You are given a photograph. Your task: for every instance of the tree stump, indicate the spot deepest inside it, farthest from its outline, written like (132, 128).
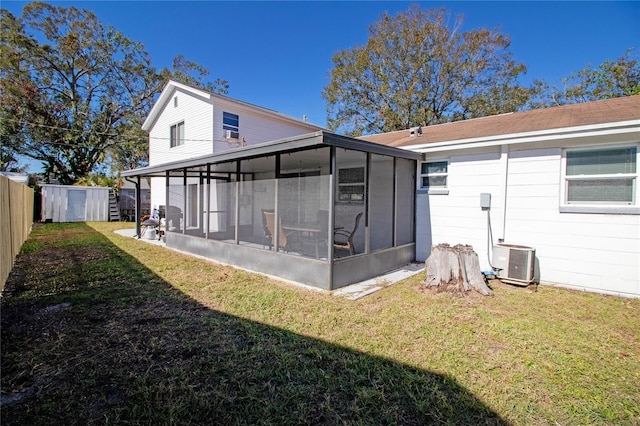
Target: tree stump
(455, 269)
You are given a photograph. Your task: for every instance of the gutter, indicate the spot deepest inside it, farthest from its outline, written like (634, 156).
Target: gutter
(622, 127)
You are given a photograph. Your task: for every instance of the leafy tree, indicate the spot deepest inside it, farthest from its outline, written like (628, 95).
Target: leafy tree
(8, 162)
(611, 79)
(94, 179)
(192, 74)
(74, 92)
(417, 69)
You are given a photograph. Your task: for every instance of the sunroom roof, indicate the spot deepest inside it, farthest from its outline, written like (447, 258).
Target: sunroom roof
(295, 143)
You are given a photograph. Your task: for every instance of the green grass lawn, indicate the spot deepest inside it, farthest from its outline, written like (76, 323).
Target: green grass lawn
(98, 328)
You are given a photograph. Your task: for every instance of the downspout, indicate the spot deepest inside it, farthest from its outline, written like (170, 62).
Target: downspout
(138, 203)
(504, 161)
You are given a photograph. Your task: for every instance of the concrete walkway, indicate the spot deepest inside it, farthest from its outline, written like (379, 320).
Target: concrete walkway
(352, 292)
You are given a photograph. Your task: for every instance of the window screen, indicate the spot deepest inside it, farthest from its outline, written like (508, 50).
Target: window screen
(351, 184)
(434, 175)
(601, 176)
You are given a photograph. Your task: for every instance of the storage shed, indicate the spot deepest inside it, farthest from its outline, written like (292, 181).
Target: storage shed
(63, 203)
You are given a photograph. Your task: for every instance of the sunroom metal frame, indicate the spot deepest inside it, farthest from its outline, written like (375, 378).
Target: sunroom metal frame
(329, 273)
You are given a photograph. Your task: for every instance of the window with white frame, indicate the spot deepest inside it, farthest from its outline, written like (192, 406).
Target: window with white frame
(351, 185)
(231, 125)
(603, 176)
(434, 175)
(176, 137)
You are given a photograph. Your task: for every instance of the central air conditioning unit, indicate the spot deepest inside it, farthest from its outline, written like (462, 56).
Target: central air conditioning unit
(515, 264)
(230, 134)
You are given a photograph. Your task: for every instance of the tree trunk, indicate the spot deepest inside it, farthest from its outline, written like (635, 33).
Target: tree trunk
(455, 269)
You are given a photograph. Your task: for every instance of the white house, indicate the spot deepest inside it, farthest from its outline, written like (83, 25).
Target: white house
(250, 187)
(561, 180)
(186, 123)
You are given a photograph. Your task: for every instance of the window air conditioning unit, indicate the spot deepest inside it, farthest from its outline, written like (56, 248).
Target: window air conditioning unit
(230, 134)
(516, 264)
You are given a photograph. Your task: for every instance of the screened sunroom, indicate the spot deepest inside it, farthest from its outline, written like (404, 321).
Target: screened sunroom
(319, 209)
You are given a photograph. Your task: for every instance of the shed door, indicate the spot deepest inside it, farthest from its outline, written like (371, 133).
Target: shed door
(76, 205)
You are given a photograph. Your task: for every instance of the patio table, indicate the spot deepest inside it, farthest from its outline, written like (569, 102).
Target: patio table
(311, 229)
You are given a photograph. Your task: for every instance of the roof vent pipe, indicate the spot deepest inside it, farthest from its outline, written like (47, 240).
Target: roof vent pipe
(415, 131)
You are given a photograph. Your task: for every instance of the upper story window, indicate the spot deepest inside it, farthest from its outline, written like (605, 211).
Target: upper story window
(351, 184)
(434, 176)
(177, 135)
(231, 125)
(603, 177)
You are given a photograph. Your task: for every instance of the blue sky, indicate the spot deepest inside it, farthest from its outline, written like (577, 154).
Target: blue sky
(278, 54)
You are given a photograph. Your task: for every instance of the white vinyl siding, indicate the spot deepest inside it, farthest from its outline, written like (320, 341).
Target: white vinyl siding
(254, 127)
(595, 252)
(457, 218)
(197, 113)
(579, 250)
(204, 131)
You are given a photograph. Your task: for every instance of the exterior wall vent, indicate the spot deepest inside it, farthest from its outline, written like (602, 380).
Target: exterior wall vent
(516, 264)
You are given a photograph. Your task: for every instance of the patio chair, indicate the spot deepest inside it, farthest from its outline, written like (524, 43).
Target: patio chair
(283, 239)
(343, 240)
(268, 235)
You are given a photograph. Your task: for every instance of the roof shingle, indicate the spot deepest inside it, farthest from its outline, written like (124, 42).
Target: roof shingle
(582, 114)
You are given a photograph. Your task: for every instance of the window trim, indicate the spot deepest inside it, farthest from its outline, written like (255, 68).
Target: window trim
(599, 207)
(438, 190)
(344, 184)
(234, 128)
(175, 139)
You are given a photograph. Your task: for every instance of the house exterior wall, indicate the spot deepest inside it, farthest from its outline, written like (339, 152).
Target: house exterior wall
(597, 252)
(203, 130)
(588, 251)
(455, 217)
(254, 126)
(197, 114)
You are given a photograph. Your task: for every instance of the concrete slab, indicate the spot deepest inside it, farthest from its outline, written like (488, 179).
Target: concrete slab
(364, 288)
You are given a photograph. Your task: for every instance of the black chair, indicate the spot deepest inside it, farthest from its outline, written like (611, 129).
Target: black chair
(343, 240)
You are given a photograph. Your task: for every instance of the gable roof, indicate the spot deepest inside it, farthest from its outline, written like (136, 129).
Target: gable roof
(172, 86)
(519, 123)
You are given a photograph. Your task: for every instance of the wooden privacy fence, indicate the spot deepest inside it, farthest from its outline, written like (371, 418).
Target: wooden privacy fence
(16, 218)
